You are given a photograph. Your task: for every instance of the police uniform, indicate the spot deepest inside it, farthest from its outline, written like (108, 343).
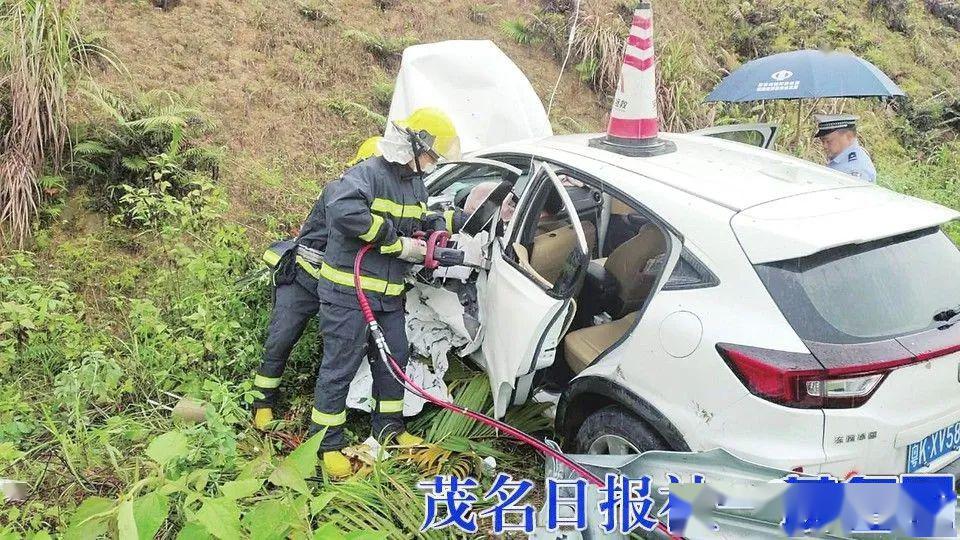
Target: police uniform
(375, 202)
(853, 160)
(295, 299)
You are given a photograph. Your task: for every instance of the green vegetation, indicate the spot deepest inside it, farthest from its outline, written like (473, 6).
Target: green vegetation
(520, 30)
(42, 55)
(157, 188)
(141, 161)
(386, 49)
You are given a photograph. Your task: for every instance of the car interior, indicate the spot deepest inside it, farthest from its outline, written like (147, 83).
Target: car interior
(626, 249)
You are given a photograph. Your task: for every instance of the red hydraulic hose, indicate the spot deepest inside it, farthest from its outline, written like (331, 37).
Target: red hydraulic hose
(449, 405)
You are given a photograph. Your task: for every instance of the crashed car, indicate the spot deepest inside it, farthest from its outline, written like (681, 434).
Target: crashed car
(718, 296)
(722, 295)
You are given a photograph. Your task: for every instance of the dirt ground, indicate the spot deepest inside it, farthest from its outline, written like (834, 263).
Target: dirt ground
(266, 75)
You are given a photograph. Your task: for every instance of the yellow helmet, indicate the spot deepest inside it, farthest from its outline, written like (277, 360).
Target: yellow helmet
(433, 130)
(368, 148)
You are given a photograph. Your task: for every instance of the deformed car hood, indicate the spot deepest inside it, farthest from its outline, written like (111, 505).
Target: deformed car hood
(487, 96)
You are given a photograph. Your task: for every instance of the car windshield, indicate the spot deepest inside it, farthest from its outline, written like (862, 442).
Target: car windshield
(867, 292)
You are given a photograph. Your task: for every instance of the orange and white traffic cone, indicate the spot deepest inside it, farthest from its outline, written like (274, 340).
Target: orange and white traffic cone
(634, 127)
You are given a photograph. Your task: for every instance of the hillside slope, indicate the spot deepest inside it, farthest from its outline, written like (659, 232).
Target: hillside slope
(278, 83)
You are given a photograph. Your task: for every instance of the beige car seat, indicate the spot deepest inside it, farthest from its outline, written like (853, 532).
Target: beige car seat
(629, 264)
(551, 249)
(582, 346)
(633, 266)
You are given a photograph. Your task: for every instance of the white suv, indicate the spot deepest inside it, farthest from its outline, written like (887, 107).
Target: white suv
(721, 295)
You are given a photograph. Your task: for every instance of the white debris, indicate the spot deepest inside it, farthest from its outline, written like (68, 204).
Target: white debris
(14, 490)
(431, 339)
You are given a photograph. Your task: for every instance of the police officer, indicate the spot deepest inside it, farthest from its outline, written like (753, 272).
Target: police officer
(296, 267)
(838, 135)
(381, 201)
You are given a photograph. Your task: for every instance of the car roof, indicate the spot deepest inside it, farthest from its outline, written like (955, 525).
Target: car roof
(731, 174)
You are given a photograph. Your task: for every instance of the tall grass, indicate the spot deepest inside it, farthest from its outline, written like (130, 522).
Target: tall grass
(42, 51)
(598, 43)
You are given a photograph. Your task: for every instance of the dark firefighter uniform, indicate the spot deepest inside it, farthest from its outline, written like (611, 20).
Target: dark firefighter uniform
(374, 202)
(296, 268)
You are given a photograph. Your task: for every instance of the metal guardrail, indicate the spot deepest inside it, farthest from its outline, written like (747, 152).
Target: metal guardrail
(722, 472)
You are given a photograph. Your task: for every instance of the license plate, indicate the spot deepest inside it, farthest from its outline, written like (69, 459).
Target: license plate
(935, 445)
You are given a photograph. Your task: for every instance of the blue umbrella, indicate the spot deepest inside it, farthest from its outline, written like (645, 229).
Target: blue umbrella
(806, 74)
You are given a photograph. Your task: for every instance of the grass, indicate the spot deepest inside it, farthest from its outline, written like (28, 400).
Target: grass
(386, 49)
(43, 53)
(520, 31)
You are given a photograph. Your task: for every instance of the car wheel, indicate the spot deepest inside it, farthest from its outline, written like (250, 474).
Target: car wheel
(615, 431)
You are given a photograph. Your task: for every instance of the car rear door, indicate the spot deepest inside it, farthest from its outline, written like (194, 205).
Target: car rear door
(762, 135)
(525, 315)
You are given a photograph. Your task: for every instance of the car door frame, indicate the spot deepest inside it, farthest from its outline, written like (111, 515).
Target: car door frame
(564, 295)
(674, 238)
(450, 166)
(768, 130)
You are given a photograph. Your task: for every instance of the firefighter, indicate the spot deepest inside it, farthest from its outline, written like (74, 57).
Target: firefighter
(380, 201)
(296, 268)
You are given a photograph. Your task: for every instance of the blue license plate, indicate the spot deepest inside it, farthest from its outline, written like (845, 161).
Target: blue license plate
(935, 445)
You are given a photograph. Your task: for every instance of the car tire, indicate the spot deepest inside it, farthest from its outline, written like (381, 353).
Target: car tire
(610, 427)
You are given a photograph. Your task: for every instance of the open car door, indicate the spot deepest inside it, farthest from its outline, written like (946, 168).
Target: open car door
(449, 297)
(762, 135)
(524, 313)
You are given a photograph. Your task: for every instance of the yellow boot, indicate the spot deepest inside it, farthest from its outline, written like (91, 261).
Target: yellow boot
(262, 416)
(336, 464)
(408, 439)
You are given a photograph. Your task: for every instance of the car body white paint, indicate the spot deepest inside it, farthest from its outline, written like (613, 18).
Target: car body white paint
(731, 205)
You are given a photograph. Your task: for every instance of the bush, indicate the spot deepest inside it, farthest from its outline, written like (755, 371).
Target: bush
(316, 11)
(148, 165)
(480, 13)
(894, 13)
(382, 93)
(387, 50)
(520, 30)
(946, 10)
(42, 54)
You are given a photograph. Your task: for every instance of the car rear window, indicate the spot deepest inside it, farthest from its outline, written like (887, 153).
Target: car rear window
(867, 292)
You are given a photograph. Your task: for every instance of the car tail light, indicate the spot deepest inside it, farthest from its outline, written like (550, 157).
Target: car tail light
(852, 387)
(798, 380)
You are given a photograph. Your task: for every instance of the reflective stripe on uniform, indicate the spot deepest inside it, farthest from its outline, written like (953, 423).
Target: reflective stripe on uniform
(390, 406)
(448, 219)
(326, 419)
(399, 210)
(375, 225)
(261, 381)
(395, 247)
(366, 282)
(271, 257)
(311, 269)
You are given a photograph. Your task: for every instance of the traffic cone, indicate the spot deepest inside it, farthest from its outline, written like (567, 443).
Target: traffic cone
(634, 128)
